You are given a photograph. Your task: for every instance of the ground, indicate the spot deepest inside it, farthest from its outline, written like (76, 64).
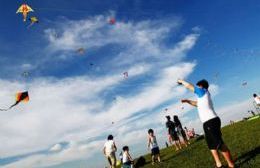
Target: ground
(243, 139)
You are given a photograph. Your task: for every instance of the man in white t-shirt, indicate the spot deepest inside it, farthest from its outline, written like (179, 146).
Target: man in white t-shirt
(257, 99)
(211, 122)
(110, 151)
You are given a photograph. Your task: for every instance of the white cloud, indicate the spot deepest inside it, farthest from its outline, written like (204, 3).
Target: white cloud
(73, 109)
(56, 148)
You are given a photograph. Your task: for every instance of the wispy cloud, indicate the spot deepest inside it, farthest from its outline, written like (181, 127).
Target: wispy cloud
(76, 110)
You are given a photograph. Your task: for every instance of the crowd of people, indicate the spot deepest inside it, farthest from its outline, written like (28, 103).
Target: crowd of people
(179, 136)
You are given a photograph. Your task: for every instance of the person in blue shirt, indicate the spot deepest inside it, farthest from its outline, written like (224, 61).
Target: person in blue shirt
(211, 122)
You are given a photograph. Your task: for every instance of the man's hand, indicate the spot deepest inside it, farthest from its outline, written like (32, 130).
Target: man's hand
(184, 100)
(191, 102)
(179, 81)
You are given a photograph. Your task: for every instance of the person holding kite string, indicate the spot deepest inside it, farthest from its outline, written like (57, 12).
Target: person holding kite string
(256, 99)
(211, 122)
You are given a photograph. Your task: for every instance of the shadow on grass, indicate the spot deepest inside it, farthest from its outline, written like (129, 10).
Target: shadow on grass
(247, 157)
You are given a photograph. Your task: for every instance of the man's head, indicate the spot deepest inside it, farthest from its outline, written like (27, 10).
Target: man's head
(254, 95)
(125, 148)
(168, 118)
(203, 84)
(110, 137)
(150, 131)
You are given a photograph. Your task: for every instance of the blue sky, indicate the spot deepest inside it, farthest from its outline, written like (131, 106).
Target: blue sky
(74, 98)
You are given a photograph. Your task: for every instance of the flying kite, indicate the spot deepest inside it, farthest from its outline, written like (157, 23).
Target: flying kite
(81, 51)
(24, 9)
(25, 74)
(112, 21)
(20, 97)
(125, 74)
(33, 20)
(244, 83)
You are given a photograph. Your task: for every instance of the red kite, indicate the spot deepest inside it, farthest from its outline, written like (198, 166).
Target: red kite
(20, 97)
(24, 9)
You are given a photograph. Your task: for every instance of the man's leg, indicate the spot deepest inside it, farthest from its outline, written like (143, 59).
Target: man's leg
(226, 153)
(153, 160)
(113, 160)
(216, 157)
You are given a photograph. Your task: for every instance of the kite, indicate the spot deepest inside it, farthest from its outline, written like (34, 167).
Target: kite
(91, 64)
(20, 97)
(244, 83)
(125, 74)
(81, 51)
(25, 74)
(112, 21)
(33, 20)
(24, 9)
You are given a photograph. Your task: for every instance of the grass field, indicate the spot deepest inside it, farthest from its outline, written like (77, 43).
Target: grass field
(243, 139)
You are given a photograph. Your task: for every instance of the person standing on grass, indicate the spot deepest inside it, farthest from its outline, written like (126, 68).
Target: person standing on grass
(127, 159)
(153, 145)
(211, 122)
(180, 130)
(173, 136)
(257, 99)
(109, 151)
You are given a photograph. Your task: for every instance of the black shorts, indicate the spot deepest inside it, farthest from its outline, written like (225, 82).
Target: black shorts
(155, 151)
(174, 136)
(213, 135)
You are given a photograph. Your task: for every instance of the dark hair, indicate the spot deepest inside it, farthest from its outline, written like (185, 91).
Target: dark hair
(110, 137)
(255, 95)
(176, 120)
(203, 83)
(168, 117)
(150, 131)
(125, 148)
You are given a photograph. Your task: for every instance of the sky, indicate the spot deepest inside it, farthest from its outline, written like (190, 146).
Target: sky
(78, 98)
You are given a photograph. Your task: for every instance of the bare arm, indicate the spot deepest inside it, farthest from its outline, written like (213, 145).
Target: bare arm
(186, 84)
(191, 102)
(149, 141)
(104, 150)
(115, 147)
(129, 157)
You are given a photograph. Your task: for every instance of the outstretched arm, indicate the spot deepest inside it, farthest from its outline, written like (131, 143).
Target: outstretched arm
(186, 84)
(191, 102)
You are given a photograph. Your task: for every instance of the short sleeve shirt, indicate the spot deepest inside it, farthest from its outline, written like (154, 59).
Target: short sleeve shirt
(109, 146)
(204, 103)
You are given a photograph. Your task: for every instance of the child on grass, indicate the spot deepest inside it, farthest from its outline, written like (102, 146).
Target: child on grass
(152, 143)
(127, 159)
(211, 122)
(109, 151)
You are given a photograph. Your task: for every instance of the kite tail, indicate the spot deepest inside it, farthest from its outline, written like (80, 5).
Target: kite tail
(29, 25)
(13, 105)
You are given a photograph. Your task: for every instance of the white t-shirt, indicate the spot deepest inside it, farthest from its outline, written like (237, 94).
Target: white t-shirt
(109, 147)
(125, 158)
(257, 100)
(153, 143)
(204, 104)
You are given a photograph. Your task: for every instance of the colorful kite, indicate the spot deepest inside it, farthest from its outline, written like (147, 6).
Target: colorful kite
(33, 20)
(24, 9)
(112, 21)
(20, 97)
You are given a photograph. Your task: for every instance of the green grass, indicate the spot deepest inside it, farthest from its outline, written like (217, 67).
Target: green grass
(242, 138)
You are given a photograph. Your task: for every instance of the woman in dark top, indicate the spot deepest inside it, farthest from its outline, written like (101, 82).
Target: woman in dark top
(180, 130)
